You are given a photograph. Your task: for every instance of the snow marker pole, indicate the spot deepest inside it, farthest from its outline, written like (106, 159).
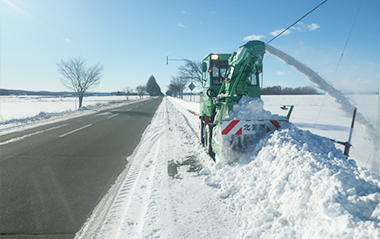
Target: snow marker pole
(348, 144)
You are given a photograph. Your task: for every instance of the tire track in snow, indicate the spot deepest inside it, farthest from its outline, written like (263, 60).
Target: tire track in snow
(206, 217)
(186, 114)
(147, 203)
(108, 217)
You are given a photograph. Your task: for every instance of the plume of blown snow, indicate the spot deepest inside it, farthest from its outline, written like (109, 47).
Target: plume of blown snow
(313, 76)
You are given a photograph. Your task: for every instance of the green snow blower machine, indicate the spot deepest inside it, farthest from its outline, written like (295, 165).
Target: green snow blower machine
(228, 80)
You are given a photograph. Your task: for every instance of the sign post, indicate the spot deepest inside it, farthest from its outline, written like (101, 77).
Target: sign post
(191, 87)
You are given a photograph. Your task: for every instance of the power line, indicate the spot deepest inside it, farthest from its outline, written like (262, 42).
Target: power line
(297, 21)
(348, 38)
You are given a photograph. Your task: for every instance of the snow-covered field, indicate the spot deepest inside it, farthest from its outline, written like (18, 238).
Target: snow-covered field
(321, 115)
(20, 112)
(294, 184)
(20, 107)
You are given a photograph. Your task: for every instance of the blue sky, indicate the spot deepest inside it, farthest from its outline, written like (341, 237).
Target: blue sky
(133, 38)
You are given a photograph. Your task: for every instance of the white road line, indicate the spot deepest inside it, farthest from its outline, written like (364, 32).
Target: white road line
(100, 114)
(29, 135)
(76, 130)
(105, 113)
(109, 117)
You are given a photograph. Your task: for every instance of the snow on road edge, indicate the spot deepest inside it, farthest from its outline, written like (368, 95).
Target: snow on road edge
(43, 118)
(146, 202)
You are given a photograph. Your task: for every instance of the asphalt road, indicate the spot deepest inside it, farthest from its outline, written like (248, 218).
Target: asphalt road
(53, 176)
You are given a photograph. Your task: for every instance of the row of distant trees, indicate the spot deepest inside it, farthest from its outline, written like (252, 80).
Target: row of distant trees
(278, 90)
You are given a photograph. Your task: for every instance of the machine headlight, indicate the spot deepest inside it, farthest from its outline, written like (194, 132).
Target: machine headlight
(214, 57)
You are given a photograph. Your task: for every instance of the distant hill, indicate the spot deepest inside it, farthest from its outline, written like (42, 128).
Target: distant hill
(49, 93)
(25, 92)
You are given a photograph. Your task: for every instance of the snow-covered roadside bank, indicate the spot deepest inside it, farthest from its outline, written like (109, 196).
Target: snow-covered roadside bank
(320, 114)
(60, 113)
(294, 184)
(13, 107)
(148, 203)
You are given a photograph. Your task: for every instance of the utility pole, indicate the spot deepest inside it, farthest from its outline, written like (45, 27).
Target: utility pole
(167, 60)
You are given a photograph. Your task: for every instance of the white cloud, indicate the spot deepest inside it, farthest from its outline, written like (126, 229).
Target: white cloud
(300, 27)
(275, 33)
(296, 29)
(313, 27)
(181, 25)
(253, 37)
(280, 73)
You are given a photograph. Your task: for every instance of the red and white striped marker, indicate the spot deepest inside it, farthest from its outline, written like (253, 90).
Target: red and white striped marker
(240, 127)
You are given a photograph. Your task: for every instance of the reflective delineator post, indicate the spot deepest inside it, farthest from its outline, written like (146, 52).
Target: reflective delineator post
(348, 144)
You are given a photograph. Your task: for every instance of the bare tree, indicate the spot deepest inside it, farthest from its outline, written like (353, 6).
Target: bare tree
(78, 77)
(141, 89)
(177, 86)
(192, 71)
(128, 90)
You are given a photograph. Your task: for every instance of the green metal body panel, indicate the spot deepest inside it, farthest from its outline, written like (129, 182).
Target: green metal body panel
(231, 76)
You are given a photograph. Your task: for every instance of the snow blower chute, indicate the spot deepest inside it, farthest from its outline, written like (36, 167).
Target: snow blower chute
(231, 82)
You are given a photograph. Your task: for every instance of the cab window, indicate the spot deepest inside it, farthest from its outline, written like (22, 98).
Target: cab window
(219, 72)
(253, 79)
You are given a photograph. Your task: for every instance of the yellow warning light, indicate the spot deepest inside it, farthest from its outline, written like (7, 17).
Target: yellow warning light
(259, 70)
(209, 69)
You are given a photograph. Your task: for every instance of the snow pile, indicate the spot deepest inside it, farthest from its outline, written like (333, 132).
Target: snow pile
(298, 185)
(39, 116)
(251, 109)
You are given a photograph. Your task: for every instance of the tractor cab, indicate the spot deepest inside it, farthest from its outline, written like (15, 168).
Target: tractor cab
(214, 72)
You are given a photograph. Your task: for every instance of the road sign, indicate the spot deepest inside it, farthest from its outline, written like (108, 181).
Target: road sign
(191, 86)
